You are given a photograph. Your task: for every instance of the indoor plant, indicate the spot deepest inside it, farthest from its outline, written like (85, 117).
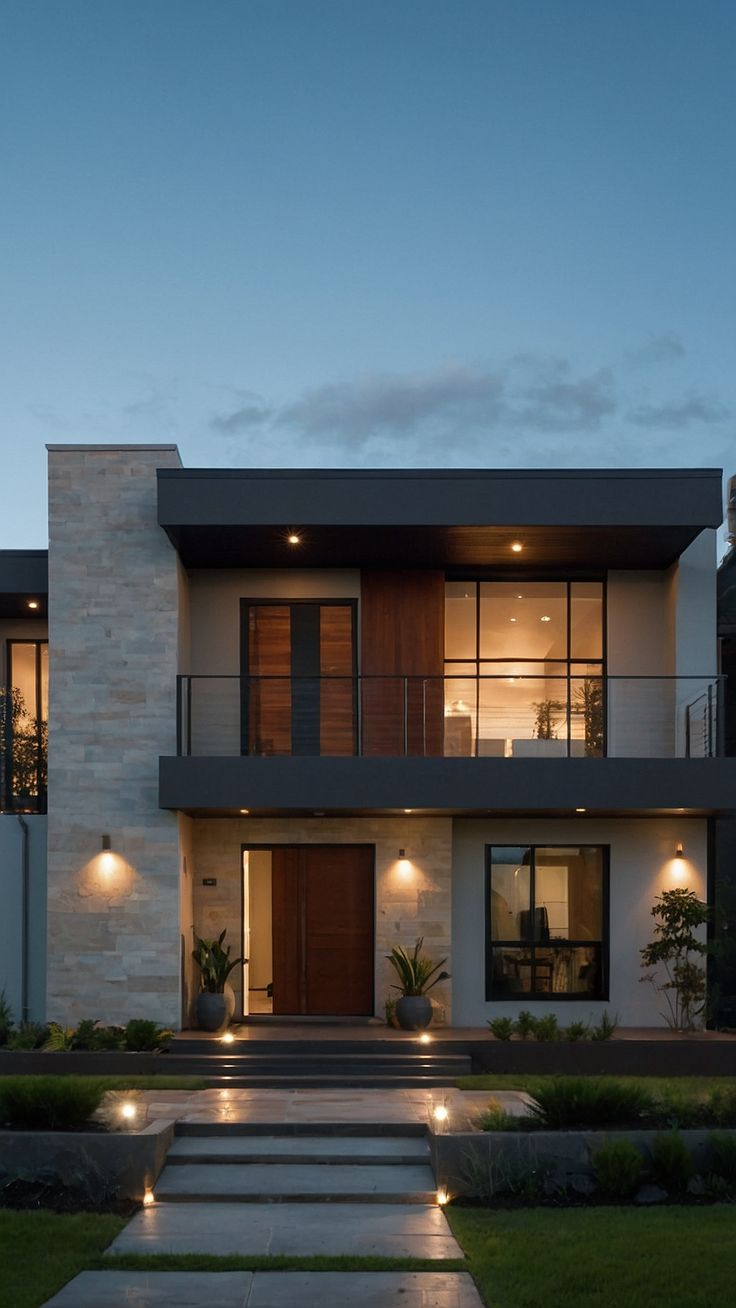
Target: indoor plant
(214, 1006)
(417, 974)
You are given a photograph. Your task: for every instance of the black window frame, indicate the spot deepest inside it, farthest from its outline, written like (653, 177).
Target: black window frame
(10, 801)
(603, 945)
(568, 580)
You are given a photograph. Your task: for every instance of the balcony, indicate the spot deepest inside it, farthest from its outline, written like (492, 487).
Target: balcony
(460, 716)
(23, 770)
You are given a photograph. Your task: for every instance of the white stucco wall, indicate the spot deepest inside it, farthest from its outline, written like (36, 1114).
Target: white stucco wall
(214, 605)
(642, 866)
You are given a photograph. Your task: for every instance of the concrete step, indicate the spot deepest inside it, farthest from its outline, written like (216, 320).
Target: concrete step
(315, 1150)
(302, 1183)
(303, 1230)
(335, 1082)
(300, 1130)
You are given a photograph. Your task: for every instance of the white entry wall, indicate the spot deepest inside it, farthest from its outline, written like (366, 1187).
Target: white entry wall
(642, 865)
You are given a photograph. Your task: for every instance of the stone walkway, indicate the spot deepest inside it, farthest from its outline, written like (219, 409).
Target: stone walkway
(302, 1174)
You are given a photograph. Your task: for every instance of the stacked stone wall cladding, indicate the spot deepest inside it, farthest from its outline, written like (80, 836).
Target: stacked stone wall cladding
(412, 900)
(113, 921)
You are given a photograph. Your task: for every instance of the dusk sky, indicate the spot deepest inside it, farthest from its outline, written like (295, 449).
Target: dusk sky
(366, 232)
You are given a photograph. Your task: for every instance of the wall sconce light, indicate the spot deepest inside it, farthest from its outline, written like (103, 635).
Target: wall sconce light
(105, 843)
(402, 853)
(679, 852)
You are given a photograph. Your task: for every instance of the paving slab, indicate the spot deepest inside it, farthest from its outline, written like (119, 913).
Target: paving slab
(155, 1290)
(263, 1182)
(298, 1149)
(391, 1230)
(364, 1290)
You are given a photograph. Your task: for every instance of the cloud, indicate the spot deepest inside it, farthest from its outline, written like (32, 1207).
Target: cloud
(243, 419)
(675, 416)
(660, 349)
(560, 402)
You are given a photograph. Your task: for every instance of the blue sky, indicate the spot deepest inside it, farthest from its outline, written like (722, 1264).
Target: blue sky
(355, 232)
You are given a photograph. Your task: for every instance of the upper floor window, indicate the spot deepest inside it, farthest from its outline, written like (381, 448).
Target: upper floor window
(24, 712)
(524, 665)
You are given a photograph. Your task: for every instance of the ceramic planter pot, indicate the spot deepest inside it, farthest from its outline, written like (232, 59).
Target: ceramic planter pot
(213, 1011)
(413, 1012)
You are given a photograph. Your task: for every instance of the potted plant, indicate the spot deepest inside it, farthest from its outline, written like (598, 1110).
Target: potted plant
(417, 974)
(214, 1006)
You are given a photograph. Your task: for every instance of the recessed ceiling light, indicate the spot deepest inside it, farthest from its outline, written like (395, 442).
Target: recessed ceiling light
(294, 538)
(545, 618)
(245, 810)
(33, 604)
(513, 619)
(517, 546)
(581, 810)
(519, 596)
(408, 810)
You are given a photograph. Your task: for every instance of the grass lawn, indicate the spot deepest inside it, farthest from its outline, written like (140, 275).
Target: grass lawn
(40, 1252)
(600, 1257)
(668, 1085)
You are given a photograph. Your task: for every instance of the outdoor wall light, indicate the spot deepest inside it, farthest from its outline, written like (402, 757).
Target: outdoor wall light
(402, 853)
(425, 1038)
(105, 843)
(107, 858)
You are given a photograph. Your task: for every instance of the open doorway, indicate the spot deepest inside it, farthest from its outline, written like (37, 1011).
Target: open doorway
(308, 930)
(257, 932)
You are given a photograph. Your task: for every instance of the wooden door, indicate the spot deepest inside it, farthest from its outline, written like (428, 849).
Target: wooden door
(298, 678)
(322, 904)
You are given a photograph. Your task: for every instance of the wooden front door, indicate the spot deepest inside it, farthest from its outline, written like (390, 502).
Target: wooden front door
(322, 907)
(298, 677)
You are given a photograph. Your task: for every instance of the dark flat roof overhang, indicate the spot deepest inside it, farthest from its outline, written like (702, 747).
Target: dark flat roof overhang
(459, 787)
(24, 576)
(589, 519)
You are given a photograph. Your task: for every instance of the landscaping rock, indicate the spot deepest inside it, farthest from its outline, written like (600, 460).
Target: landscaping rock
(650, 1194)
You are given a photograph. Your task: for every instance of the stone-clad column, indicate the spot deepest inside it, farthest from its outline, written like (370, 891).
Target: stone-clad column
(113, 920)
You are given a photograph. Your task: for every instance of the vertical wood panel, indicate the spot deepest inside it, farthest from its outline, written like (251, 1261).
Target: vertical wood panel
(337, 702)
(402, 632)
(269, 702)
(285, 930)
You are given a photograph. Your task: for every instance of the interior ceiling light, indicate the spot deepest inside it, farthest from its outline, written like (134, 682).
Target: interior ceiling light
(545, 618)
(513, 619)
(517, 546)
(33, 604)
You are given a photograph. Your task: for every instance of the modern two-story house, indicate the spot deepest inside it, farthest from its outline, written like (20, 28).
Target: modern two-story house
(334, 711)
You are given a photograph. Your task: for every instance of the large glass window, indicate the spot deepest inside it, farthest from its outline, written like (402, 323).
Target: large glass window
(547, 921)
(524, 668)
(24, 711)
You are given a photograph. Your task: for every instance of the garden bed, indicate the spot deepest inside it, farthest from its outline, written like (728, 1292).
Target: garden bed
(87, 1169)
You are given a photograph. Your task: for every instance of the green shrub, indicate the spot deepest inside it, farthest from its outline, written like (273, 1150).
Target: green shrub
(90, 1036)
(546, 1028)
(720, 1106)
(568, 1102)
(605, 1028)
(575, 1031)
(60, 1038)
(49, 1103)
(672, 1162)
(143, 1035)
(525, 1024)
(617, 1167)
(28, 1035)
(722, 1149)
(502, 1028)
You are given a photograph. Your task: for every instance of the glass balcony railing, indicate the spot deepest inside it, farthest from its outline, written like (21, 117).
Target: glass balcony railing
(452, 717)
